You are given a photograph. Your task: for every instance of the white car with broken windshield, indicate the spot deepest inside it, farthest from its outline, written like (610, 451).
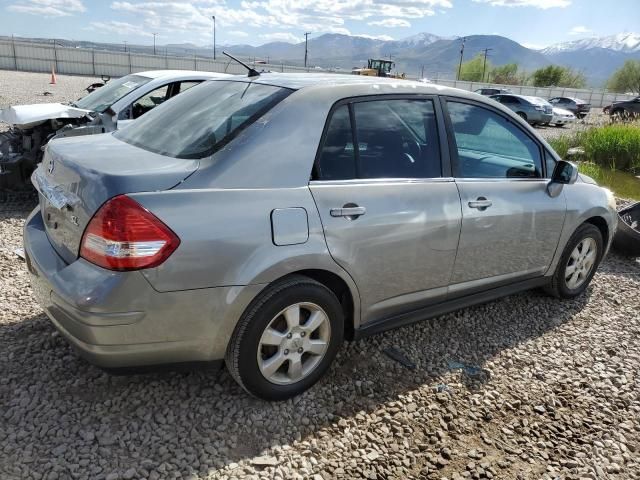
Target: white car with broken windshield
(106, 109)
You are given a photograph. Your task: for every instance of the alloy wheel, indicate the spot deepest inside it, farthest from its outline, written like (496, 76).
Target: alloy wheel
(581, 262)
(294, 343)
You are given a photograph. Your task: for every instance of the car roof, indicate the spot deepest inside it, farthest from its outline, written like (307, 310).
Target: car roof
(298, 81)
(155, 74)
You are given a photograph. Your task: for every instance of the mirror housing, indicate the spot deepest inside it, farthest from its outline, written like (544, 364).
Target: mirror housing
(565, 173)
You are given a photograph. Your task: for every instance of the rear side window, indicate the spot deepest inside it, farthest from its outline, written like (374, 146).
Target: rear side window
(395, 139)
(202, 120)
(490, 146)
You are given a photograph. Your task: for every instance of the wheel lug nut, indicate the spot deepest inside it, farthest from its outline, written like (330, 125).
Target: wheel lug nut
(300, 350)
(286, 352)
(289, 335)
(302, 334)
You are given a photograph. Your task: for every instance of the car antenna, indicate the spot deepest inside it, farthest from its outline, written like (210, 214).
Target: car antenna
(252, 71)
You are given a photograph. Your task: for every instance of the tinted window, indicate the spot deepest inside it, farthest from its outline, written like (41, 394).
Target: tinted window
(337, 157)
(509, 100)
(491, 146)
(201, 120)
(396, 139)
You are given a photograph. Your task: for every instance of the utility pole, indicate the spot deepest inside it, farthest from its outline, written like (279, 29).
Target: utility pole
(306, 43)
(214, 36)
(484, 66)
(154, 42)
(464, 39)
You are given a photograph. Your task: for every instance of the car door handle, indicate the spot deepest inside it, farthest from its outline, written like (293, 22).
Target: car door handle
(481, 203)
(354, 212)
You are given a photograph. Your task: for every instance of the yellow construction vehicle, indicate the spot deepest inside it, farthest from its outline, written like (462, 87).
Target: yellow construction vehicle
(378, 68)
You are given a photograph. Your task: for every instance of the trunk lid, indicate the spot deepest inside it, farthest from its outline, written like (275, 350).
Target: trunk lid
(78, 175)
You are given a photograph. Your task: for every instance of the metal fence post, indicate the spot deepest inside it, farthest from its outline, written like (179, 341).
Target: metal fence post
(129, 61)
(93, 61)
(15, 58)
(195, 62)
(55, 55)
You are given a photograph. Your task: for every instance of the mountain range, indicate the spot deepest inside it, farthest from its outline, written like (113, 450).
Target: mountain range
(423, 54)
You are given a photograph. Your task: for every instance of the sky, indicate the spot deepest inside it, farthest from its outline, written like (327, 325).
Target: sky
(533, 23)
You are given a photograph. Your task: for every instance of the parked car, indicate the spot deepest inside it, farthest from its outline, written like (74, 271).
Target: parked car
(107, 108)
(240, 222)
(562, 117)
(492, 91)
(627, 108)
(578, 107)
(533, 110)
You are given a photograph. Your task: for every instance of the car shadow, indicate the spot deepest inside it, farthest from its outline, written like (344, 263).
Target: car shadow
(199, 421)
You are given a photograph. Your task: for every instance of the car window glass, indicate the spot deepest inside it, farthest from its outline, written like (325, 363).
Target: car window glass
(102, 98)
(397, 139)
(490, 146)
(510, 100)
(550, 163)
(149, 101)
(184, 86)
(203, 120)
(337, 157)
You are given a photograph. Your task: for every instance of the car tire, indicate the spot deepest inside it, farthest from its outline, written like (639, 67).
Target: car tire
(270, 349)
(568, 282)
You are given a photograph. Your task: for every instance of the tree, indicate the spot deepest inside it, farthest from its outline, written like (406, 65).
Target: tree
(557, 76)
(473, 69)
(506, 75)
(626, 78)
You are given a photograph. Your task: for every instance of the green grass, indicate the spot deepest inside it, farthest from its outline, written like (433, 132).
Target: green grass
(623, 184)
(611, 156)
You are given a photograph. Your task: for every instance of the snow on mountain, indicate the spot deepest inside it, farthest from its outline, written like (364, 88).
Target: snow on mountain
(421, 39)
(622, 42)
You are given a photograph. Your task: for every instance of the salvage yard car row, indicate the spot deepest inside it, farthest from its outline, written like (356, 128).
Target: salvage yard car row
(259, 220)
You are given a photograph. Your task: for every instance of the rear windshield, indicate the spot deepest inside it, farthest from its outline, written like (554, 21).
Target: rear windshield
(203, 119)
(102, 98)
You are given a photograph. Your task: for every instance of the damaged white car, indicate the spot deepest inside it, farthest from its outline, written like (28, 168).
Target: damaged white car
(106, 109)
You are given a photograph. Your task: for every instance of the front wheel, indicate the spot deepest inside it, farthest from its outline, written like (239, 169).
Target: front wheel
(578, 263)
(287, 339)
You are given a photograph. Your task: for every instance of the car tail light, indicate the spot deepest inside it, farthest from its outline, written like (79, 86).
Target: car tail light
(123, 235)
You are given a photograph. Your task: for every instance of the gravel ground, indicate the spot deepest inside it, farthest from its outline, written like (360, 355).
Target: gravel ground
(526, 387)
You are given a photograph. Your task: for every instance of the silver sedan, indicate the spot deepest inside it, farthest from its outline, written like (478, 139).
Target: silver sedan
(262, 220)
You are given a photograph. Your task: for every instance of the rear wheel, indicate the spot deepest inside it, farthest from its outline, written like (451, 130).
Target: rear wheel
(287, 339)
(578, 263)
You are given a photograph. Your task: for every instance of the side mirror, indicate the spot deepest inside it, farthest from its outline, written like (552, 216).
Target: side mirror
(565, 173)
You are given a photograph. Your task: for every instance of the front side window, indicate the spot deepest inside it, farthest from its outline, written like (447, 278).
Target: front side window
(395, 139)
(149, 101)
(200, 121)
(490, 146)
(102, 98)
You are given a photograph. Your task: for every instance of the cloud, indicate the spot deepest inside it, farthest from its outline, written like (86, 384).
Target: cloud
(543, 4)
(316, 16)
(580, 30)
(386, 38)
(281, 37)
(48, 8)
(391, 23)
(238, 33)
(120, 28)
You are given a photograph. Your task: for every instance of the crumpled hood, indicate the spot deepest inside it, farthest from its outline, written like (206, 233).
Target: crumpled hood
(561, 111)
(31, 115)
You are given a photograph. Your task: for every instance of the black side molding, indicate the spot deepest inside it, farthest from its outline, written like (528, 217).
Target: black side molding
(445, 307)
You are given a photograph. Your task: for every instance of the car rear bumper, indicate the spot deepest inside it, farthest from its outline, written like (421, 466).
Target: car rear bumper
(117, 319)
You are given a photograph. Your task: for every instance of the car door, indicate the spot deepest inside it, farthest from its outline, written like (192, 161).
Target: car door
(391, 218)
(510, 224)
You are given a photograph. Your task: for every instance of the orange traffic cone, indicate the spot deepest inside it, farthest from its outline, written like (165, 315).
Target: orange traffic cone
(53, 76)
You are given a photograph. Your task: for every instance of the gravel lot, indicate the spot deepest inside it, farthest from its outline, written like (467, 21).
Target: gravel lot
(526, 387)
